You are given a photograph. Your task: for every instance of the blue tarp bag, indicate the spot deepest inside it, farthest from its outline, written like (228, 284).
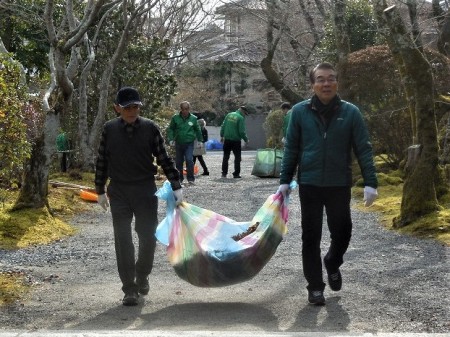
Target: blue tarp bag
(214, 144)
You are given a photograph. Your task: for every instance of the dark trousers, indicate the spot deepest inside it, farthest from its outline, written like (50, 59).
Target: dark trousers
(228, 146)
(336, 201)
(63, 162)
(202, 163)
(126, 201)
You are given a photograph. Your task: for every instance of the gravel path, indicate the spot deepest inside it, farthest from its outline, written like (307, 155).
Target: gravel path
(392, 283)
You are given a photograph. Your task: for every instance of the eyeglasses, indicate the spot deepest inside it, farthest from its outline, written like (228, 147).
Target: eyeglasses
(321, 80)
(132, 107)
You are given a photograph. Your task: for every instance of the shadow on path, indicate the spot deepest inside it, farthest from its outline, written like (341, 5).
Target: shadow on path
(330, 317)
(184, 317)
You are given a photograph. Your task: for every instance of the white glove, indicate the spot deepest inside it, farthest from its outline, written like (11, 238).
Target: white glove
(172, 143)
(283, 140)
(285, 190)
(102, 200)
(178, 194)
(370, 194)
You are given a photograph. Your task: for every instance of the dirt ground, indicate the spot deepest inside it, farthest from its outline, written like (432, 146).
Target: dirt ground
(391, 283)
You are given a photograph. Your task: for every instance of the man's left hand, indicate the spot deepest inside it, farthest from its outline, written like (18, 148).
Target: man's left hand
(102, 200)
(370, 194)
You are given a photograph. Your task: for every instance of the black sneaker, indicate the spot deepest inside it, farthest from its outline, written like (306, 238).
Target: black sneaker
(143, 286)
(224, 175)
(237, 177)
(205, 174)
(130, 298)
(316, 297)
(335, 280)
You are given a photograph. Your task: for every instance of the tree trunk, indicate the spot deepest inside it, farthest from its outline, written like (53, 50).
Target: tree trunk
(272, 76)
(342, 39)
(415, 30)
(443, 21)
(379, 6)
(34, 190)
(445, 158)
(419, 190)
(89, 139)
(129, 27)
(444, 36)
(277, 82)
(33, 193)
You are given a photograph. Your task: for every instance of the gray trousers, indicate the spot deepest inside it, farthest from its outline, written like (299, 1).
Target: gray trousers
(126, 201)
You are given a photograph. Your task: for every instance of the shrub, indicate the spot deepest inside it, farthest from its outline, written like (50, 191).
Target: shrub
(273, 126)
(371, 80)
(14, 146)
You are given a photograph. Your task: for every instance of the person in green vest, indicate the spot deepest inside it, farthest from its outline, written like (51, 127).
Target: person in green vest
(63, 147)
(182, 131)
(232, 132)
(286, 108)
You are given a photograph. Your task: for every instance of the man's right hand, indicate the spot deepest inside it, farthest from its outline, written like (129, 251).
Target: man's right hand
(172, 143)
(285, 190)
(102, 200)
(178, 194)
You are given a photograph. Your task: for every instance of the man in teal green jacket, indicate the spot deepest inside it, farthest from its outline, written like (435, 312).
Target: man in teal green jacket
(231, 133)
(182, 131)
(322, 133)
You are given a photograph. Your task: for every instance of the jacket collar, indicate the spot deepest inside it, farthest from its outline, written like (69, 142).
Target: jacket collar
(135, 125)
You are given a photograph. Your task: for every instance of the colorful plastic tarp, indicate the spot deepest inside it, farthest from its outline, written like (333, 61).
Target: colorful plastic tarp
(207, 249)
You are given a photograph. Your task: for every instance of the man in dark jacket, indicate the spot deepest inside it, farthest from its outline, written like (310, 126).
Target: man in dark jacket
(128, 146)
(321, 135)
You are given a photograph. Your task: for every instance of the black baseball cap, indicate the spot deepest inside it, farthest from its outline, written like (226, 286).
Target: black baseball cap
(244, 109)
(285, 105)
(128, 96)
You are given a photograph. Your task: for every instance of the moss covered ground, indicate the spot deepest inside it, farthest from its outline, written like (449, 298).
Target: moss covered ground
(432, 226)
(30, 227)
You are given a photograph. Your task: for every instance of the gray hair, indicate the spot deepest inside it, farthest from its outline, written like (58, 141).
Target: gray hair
(185, 103)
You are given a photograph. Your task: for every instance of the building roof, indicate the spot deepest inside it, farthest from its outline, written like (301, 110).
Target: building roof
(249, 53)
(239, 5)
